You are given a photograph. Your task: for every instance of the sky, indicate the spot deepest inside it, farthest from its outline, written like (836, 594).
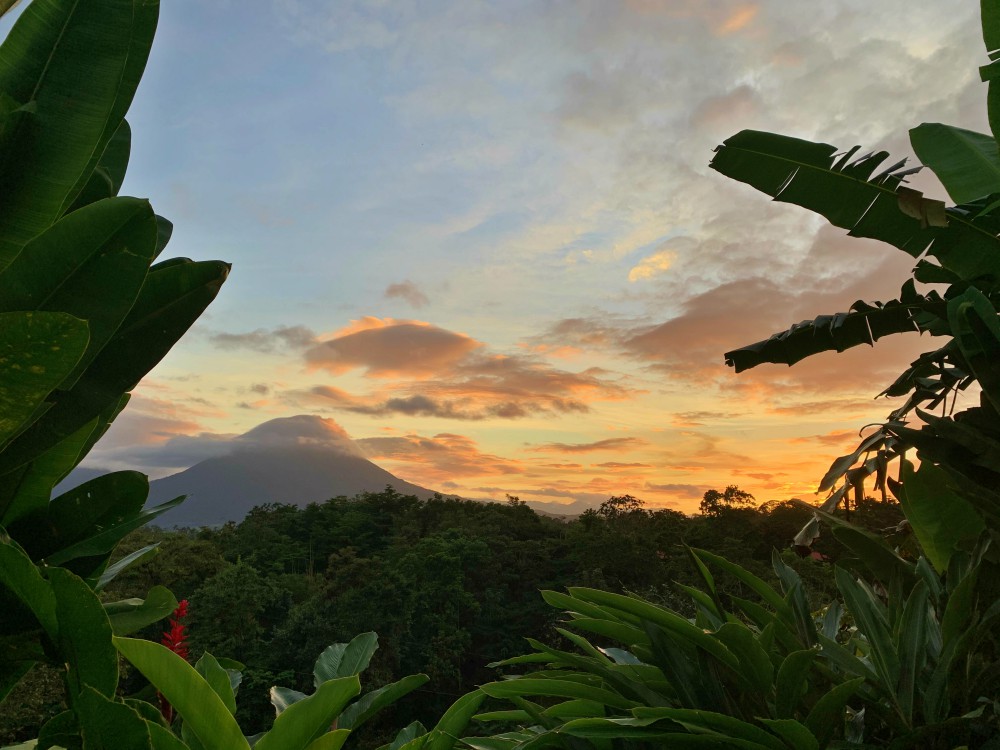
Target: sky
(483, 241)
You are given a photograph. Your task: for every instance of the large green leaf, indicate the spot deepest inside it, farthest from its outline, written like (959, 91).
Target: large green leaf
(941, 518)
(53, 48)
(90, 507)
(90, 264)
(84, 636)
(129, 615)
(713, 722)
(814, 176)
(29, 488)
(217, 676)
(407, 734)
(660, 617)
(111, 572)
(571, 604)
(190, 695)
(976, 328)
(306, 719)
(109, 725)
(62, 730)
(882, 561)
(755, 663)
(19, 575)
(990, 11)
(163, 738)
(32, 490)
(11, 673)
(612, 628)
(871, 621)
(345, 659)
(966, 162)
(451, 725)
(795, 596)
(864, 323)
(524, 687)
(106, 179)
(96, 549)
(791, 682)
(170, 301)
(828, 713)
(330, 741)
(371, 703)
(756, 584)
(597, 729)
(795, 734)
(913, 643)
(38, 350)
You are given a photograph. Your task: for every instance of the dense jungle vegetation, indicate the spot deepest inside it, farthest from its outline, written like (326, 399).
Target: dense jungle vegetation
(449, 585)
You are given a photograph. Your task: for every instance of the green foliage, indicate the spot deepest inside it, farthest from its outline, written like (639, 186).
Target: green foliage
(766, 671)
(204, 697)
(85, 313)
(715, 503)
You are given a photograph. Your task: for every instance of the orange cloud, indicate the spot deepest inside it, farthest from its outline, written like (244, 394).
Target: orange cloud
(443, 374)
(738, 19)
(390, 349)
(835, 438)
(617, 445)
(436, 459)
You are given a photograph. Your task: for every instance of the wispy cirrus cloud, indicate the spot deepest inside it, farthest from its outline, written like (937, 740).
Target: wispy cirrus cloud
(408, 292)
(282, 338)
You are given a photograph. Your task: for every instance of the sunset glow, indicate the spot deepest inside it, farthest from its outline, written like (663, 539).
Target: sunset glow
(483, 240)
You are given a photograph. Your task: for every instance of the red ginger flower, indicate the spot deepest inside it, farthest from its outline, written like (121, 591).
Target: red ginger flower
(176, 638)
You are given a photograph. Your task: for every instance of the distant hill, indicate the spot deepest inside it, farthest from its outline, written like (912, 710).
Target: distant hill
(295, 460)
(225, 488)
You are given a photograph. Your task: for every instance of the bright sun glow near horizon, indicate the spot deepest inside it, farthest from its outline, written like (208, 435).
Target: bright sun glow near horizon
(483, 237)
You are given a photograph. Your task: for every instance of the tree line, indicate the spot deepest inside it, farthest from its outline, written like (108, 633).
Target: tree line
(449, 585)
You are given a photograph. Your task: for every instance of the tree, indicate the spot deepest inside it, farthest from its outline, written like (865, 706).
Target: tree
(715, 503)
(621, 505)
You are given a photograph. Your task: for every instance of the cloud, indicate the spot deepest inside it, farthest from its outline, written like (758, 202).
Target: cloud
(407, 291)
(265, 341)
(652, 265)
(698, 418)
(387, 348)
(688, 346)
(135, 445)
(738, 20)
(439, 373)
(445, 456)
(617, 445)
(157, 436)
(616, 465)
(683, 490)
(303, 430)
(836, 438)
